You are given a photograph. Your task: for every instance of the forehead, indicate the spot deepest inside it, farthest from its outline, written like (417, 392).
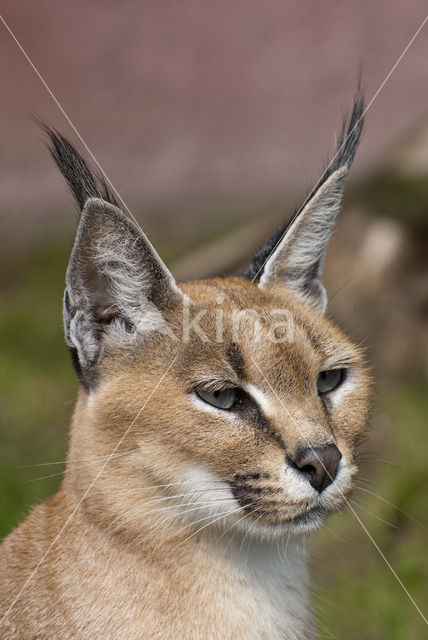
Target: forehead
(248, 328)
(236, 293)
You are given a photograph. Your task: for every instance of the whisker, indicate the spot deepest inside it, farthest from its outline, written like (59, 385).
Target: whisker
(286, 547)
(370, 459)
(223, 515)
(325, 630)
(250, 528)
(367, 481)
(394, 526)
(157, 525)
(177, 515)
(89, 460)
(226, 513)
(140, 507)
(195, 506)
(332, 532)
(172, 484)
(52, 475)
(234, 524)
(391, 504)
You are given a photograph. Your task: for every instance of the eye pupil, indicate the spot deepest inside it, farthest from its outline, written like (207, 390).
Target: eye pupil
(222, 398)
(329, 380)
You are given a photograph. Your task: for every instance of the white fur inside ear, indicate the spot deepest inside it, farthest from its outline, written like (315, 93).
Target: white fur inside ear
(128, 284)
(80, 336)
(114, 280)
(297, 261)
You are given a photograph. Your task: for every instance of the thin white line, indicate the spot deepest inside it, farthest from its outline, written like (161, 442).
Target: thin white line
(163, 376)
(86, 493)
(403, 53)
(44, 83)
(343, 496)
(385, 559)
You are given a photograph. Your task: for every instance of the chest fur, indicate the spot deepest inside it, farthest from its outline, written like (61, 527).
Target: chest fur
(249, 592)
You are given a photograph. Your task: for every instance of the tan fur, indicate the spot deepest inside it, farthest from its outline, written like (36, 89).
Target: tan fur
(208, 439)
(123, 567)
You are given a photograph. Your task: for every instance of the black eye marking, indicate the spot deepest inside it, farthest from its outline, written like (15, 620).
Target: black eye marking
(330, 380)
(237, 400)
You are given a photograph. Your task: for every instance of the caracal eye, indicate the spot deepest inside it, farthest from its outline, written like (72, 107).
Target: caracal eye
(329, 380)
(222, 399)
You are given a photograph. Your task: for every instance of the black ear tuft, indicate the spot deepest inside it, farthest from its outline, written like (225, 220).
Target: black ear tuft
(346, 147)
(349, 139)
(82, 182)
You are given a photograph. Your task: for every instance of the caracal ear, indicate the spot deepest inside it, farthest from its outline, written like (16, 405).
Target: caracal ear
(116, 286)
(298, 259)
(294, 257)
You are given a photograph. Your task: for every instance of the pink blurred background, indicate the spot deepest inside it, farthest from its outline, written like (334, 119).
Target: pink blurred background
(197, 110)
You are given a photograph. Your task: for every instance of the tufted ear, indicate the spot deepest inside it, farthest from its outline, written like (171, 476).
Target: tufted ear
(297, 261)
(116, 286)
(294, 257)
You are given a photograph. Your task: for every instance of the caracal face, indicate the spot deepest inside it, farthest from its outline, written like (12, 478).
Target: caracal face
(274, 457)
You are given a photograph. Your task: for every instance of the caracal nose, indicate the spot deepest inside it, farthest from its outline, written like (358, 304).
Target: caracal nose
(318, 464)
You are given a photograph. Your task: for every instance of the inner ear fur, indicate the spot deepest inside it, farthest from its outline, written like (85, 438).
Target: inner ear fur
(298, 259)
(115, 282)
(294, 256)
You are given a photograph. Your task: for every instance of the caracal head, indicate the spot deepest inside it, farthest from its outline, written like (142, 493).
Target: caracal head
(231, 402)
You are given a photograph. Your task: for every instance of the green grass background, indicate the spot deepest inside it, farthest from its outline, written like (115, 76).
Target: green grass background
(356, 594)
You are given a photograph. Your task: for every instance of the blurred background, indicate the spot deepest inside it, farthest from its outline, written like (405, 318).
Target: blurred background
(214, 120)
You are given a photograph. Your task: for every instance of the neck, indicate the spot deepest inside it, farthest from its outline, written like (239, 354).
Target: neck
(256, 586)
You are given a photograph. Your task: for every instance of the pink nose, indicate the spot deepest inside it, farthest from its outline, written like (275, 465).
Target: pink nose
(318, 464)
